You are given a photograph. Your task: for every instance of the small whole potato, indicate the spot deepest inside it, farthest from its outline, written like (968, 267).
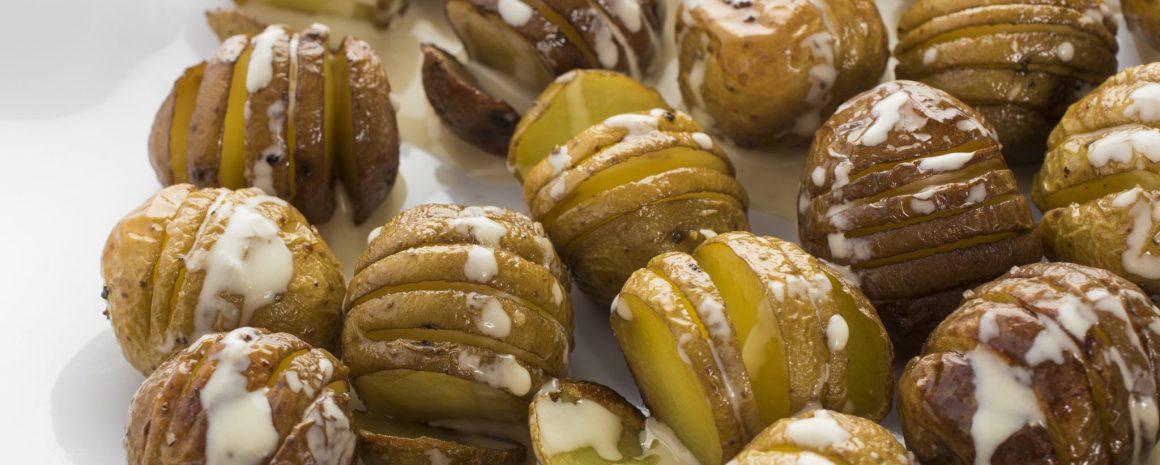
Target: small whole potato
(191, 262)
(823, 437)
(906, 185)
(1018, 62)
(1049, 363)
(764, 71)
(246, 396)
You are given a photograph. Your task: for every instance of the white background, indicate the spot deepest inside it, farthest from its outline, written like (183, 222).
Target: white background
(80, 82)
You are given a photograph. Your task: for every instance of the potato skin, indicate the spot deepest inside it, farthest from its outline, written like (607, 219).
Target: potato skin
(471, 114)
(868, 443)
(906, 184)
(1143, 18)
(781, 74)
(1091, 383)
(153, 312)
(1017, 48)
(305, 387)
(376, 131)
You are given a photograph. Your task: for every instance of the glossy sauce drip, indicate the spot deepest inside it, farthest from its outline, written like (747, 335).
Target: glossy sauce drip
(240, 427)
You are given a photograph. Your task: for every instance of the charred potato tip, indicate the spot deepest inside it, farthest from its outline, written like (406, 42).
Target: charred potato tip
(907, 186)
(744, 331)
(248, 395)
(279, 111)
(1051, 360)
(456, 313)
(191, 262)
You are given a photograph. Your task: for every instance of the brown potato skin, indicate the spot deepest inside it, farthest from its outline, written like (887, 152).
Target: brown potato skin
(145, 311)
(259, 136)
(1058, 49)
(1083, 398)
(756, 87)
(377, 151)
(167, 423)
(870, 443)
(312, 173)
(851, 188)
(159, 139)
(471, 114)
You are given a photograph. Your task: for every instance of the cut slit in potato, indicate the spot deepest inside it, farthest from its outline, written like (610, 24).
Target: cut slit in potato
(427, 396)
(575, 102)
(388, 441)
(866, 349)
(459, 337)
(185, 100)
(232, 160)
(754, 324)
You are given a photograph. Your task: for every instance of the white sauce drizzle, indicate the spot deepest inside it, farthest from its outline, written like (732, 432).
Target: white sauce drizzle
(1065, 51)
(946, 162)
(837, 333)
(929, 56)
(629, 13)
(703, 140)
(515, 12)
(493, 320)
(887, 113)
(559, 159)
(1119, 146)
(264, 165)
(330, 439)
(504, 373)
(567, 426)
(621, 309)
(1006, 403)
(1135, 258)
(660, 441)
(486, 231)
(239, 424)
(374, 234)
(1145, 103)
(261, 69)
(481, 265)
(437, 457)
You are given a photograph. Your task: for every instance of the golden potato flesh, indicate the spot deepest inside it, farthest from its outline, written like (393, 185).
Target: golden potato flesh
(191, 262)
(825, 437)
(629, 188)
(246, 396)
(1143, 18)
(1049, 363)
(280, 112)
(1021, 63)
(583, 423)
(906, 185)
(571, 104)
(456, 313)
(751, 329)
(765, 71)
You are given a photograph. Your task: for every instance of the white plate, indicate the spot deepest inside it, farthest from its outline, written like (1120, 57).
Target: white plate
(81, 81)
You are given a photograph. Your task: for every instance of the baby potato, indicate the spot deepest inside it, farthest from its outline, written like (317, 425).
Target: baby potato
(824, 437)
(761, 72)
(191, 262)
(906, 185)
(1049, 363)
(246, 396)
(1019, 63)
(744, 331)
(456, 313)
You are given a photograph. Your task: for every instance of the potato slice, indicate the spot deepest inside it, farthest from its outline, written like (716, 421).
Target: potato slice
(366, 133)
(169, 138)
(207, 124)
(392, 442)
(231, 157)
(267, 120)
(573, 103)
(228, 23)
(470, 113)
(312, 165)
(582, 423)
(636, 25)
(666, 345)
(528, 48)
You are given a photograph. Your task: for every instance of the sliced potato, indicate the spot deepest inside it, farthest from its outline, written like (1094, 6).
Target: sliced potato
(392, 442)
(207, 124)
(582, 423)
(169, 138)
(381, 12)
(825, 437)
(573, 103)
(471, 114)
(267, 131)
(228, 23)
(530, 48)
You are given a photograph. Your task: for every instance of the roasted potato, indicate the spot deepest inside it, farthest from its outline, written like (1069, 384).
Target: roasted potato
(1018, 62)
(380, 12)
(228, 23)
(280, 112)
(1050, 363)
(391, 442)
(761, 72)
(744, 331)
(583, 423)
(537, 40)
(1100, 176)
(246, 396)
(906, 185)
(191, 262)
(469, 112)
(456, 313)
(628, 187)
(824, 437)
(1143, 18)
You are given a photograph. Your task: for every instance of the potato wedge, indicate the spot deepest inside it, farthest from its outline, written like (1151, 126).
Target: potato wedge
(392, 442)
(555, 118)
(170, 283)
(582, 423)
(822, 436)
(471, 114)
(268, 151)
(905, 184)
(248, 394)
(1011, 356)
